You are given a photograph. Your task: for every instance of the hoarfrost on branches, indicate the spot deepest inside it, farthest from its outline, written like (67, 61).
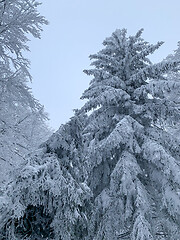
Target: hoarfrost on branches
(112, 171)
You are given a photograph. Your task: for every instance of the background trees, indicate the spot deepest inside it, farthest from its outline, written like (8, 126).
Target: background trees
(22, 118)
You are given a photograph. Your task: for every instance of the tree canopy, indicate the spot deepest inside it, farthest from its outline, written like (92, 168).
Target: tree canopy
(22, 117)
(112, 171)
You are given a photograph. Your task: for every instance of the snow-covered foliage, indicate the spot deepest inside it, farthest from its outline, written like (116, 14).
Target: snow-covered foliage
(68, 144)
(18, 18)
(112, 173)
(133, 171)
(45, 201)
(48, 198)
(22, 131)
(175, 94)
(22, 118)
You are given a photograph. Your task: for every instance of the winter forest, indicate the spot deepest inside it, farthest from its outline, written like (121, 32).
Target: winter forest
(113, 170)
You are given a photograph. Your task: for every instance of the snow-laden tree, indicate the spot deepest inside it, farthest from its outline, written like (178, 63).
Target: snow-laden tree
(175, 94)
(133, 161)
(49, 198)
(18, 18)
(22, 119)
(22, 131)
(69, 144)
(110, 174)
(43, 199)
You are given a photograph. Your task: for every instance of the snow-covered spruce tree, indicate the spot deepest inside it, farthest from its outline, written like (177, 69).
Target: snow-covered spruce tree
(68, 143)
(49, 198)
(175, 94)
(22, 119)
(133, 162)
(122, 150)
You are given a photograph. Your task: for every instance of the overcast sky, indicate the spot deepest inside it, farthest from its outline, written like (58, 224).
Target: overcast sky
(77, 29)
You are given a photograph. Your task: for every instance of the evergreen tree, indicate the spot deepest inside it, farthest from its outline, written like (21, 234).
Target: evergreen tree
(133, 161)
(112, 173)
(48, 198)
(175, 94)
(45, 196)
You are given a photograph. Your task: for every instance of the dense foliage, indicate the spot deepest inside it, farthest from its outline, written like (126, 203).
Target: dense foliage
(112, 171)
(133, 159)
(22, 118)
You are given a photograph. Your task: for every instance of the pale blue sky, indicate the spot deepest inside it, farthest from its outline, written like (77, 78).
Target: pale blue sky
(77, 29)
